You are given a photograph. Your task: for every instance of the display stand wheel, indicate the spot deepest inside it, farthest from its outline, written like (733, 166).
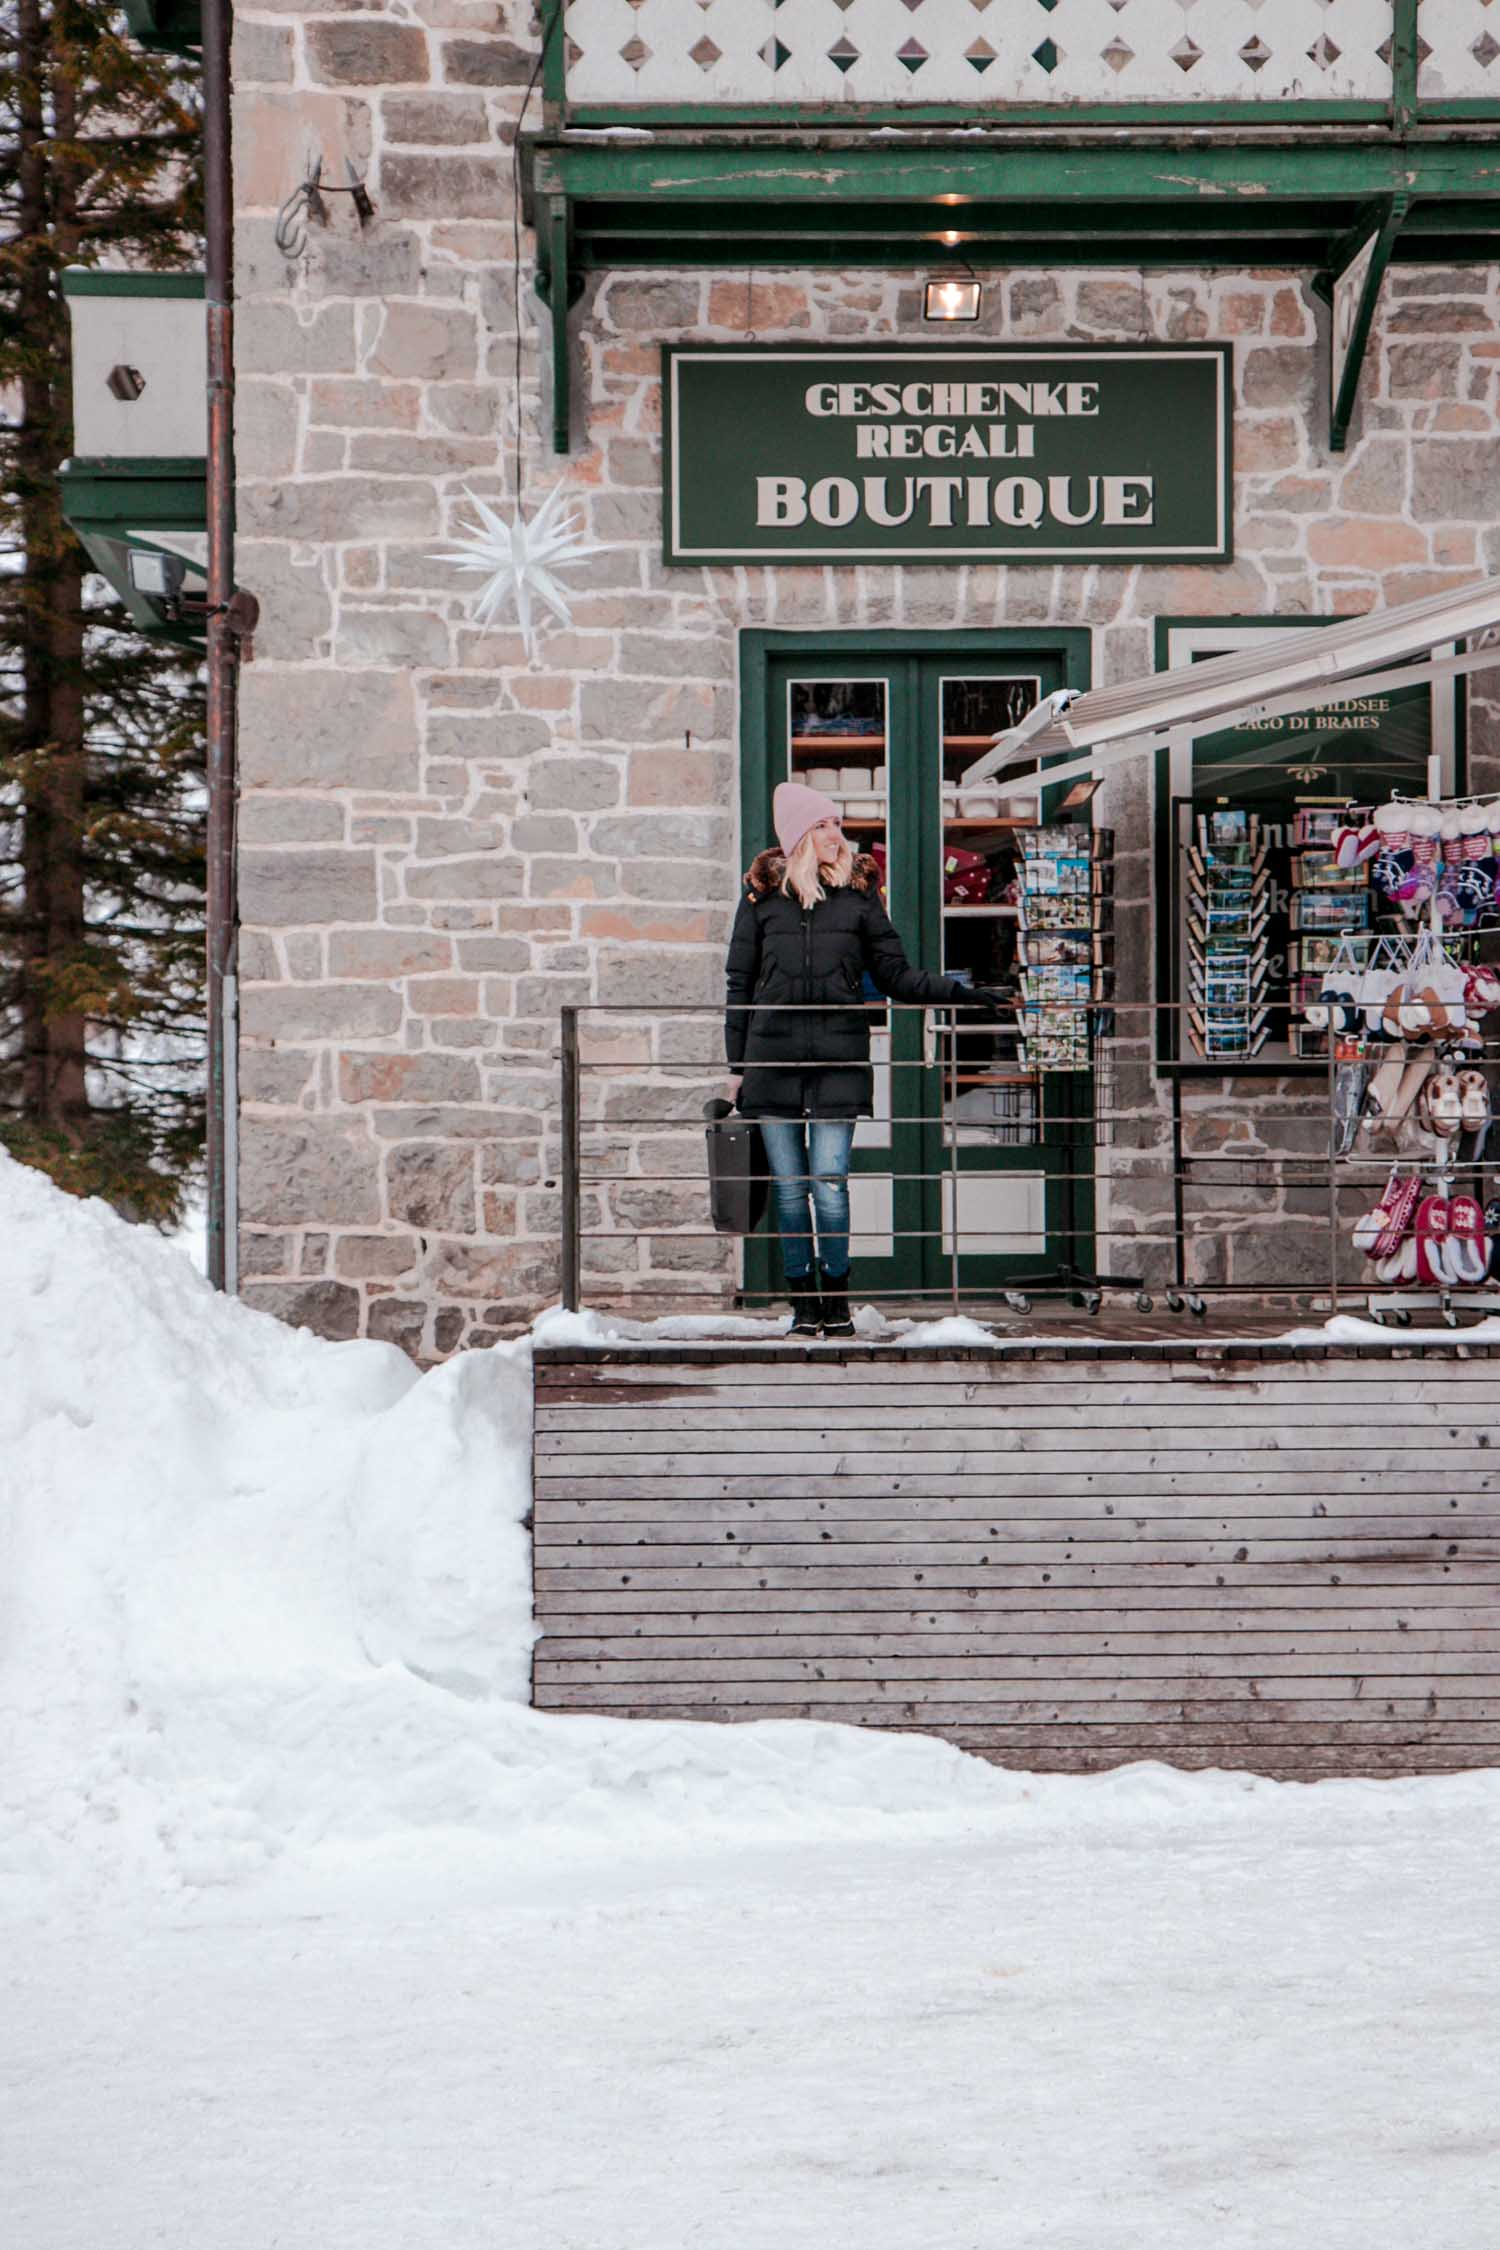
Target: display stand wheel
(1197, 1307)
(1144, 1303)
(1175, 1301)
(1017, 1300)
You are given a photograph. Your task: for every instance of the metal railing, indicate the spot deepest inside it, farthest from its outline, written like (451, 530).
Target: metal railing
(1151, 1188)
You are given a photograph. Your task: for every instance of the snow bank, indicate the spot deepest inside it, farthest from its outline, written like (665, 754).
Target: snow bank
(263, 1596)
(265, 1601)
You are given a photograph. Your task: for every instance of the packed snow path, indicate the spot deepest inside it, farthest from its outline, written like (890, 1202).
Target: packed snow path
(1195, 2031)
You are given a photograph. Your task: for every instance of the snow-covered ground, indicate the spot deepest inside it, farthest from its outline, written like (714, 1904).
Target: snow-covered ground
(315, 1935)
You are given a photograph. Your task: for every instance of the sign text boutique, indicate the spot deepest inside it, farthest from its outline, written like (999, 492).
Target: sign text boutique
(1012, 453)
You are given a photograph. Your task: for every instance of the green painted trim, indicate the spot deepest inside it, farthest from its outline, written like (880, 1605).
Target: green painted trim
(1404, 52)
(554, 58)
(1342, 401)
(141, 465)
(849, 117)
(773, 200)
(1070, 645)
(167, 495)
(1003, 173)
(768, 254)
(557, 233)
(173, 27)
(95, 281)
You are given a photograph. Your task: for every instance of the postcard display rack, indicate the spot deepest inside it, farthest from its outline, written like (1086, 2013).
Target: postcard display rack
(1250, 895)
(1066, 905)
(1227, 913)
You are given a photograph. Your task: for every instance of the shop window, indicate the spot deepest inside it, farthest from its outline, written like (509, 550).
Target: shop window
(838, 743)
(1252, 907)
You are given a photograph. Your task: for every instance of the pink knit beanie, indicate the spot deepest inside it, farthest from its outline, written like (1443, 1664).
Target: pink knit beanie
(795, 809)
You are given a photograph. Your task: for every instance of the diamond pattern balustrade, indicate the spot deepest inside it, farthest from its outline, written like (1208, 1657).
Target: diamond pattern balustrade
(978, 52)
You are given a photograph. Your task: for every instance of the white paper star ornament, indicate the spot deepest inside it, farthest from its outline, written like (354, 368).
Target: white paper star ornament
(519, 560)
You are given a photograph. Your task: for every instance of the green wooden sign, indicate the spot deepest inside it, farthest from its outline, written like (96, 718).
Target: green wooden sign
(974, 453)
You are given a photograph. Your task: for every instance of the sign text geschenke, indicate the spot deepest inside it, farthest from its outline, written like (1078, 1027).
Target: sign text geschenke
(1008, 453)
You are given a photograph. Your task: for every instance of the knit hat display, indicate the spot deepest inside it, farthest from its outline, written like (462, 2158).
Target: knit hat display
(795, 809)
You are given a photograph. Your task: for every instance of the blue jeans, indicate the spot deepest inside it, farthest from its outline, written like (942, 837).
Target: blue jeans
(809, 1161)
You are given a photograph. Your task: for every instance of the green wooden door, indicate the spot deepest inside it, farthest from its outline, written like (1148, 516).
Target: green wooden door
(885, 725)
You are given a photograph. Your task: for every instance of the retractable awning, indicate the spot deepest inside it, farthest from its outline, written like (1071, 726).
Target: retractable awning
(1282, 674)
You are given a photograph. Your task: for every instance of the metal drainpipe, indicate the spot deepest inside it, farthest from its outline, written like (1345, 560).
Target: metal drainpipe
(223, 650)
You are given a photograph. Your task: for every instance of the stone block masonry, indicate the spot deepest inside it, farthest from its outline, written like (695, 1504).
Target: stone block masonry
(444, 842)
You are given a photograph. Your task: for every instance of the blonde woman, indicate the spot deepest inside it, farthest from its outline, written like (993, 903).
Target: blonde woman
(797, 1032)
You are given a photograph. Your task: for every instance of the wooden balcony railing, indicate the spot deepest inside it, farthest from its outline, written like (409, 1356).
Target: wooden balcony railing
(1310, 60)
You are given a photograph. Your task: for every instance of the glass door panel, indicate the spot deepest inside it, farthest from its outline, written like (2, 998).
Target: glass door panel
(1000, 1150)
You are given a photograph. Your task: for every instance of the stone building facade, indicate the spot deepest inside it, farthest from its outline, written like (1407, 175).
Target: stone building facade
(442, 842)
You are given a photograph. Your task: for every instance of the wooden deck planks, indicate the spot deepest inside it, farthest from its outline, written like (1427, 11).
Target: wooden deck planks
(1286, 1563)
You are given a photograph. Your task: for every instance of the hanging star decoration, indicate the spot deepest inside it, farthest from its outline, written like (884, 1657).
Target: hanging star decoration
(519, 560)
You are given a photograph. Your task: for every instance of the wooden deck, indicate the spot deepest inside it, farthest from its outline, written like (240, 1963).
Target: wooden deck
(1243, 1553)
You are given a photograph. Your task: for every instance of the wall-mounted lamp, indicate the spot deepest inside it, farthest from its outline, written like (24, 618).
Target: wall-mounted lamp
(159, 576)
(954, 297)
(951, 299)
(125, 383)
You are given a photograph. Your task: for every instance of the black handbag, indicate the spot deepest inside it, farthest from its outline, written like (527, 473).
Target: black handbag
(738, 1186)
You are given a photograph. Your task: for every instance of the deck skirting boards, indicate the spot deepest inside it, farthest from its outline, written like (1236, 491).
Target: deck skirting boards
(1273, 1557)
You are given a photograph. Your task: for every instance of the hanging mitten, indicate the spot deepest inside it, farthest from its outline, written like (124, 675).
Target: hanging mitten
(1393, 863)
(1426, 852)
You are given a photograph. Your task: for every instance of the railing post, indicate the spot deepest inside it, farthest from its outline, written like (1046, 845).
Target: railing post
(570, 1161)
(948, 1102)
(1404, 63)
(1333, 1168)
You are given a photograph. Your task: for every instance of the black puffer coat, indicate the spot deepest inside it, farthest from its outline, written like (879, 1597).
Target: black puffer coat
(810, 1056)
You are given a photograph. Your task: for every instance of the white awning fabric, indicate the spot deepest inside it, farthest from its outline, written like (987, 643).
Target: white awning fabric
(1283, 673)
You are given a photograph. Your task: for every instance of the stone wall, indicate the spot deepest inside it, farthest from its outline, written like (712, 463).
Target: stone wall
(442, 843)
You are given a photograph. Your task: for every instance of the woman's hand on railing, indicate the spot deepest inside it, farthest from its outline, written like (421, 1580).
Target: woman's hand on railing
(992, 1004)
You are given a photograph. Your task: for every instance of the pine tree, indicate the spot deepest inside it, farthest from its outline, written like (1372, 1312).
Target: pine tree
(101, 750)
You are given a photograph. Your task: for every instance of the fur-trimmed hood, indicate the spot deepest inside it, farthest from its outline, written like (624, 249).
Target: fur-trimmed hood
(767, 870)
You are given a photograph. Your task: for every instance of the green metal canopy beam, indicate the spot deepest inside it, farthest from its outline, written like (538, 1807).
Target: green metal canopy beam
(1025, 198)
(940, 169)
(108, 502)
(1352, 289)
(173, 27)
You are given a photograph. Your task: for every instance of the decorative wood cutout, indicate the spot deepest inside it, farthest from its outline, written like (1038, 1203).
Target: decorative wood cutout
(648, 51)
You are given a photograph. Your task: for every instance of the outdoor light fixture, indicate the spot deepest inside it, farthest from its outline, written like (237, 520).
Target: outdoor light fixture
(159, 576)
(951, 300)
(125, 383)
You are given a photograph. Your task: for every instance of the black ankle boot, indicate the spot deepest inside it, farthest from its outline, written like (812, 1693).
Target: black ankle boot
(836, 1320)
(805, 1306)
